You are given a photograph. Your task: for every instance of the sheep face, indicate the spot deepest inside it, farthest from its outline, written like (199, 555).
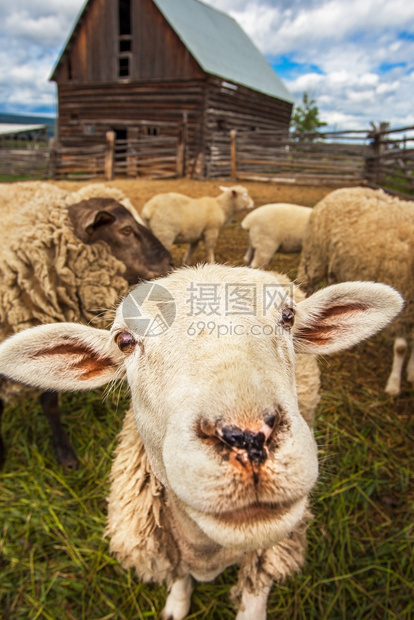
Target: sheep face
(239, 196)
(224, 433)
(215, 402)
(105, 219)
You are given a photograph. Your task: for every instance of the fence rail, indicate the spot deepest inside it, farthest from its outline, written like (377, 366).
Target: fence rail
(299, 158)
(78, 163)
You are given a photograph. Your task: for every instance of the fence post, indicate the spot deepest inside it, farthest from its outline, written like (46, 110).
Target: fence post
(109, 155)
(233, 153)
(373, 168)
(52, 168)
(182, 147)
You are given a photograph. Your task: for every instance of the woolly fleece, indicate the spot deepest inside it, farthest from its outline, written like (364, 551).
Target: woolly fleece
(362, 234)
(47, 274)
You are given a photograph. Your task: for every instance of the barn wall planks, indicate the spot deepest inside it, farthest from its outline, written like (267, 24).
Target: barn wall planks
(87, 113)
(156, 50)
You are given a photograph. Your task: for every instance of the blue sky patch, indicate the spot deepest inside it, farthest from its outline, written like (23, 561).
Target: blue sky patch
(287, 68)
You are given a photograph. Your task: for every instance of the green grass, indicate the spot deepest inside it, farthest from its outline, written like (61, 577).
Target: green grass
(55, 564)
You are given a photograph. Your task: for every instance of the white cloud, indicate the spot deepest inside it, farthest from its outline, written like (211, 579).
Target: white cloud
(45, 30)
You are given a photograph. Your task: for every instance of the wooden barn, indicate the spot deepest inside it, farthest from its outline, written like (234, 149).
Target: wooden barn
(154, 68)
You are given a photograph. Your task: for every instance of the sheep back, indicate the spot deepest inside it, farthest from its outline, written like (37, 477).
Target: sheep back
(361, 234)
(173, 216)
(282, 223)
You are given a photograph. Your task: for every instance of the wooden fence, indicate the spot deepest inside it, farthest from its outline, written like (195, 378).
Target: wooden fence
(156, 157)
(391, 163)
(333, 158)
(78, 164)
(25, 162)
(379, 157)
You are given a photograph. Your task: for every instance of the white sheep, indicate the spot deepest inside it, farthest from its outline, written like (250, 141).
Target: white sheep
(176, 218)
(217, 456)
(274, 228)
(365, 234)
(65, 256)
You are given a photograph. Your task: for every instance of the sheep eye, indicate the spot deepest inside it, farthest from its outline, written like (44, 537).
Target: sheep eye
(125, 341)
(126, 231)
(288, 317)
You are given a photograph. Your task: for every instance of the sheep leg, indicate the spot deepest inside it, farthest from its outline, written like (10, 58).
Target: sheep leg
(393, 386)
(64, 451)
(410, 365)
(210, 242)
(178, 601)
(2, 451)
(263, 254)
(248, 257)
(254, 605)
(190, 251)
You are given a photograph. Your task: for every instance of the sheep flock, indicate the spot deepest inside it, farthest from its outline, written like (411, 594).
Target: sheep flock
(216, 461)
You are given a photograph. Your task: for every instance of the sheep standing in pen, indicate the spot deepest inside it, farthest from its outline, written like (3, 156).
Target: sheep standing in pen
(217, 456)
(176, 218)
(365, 234)
(274, 228)
(64, 257)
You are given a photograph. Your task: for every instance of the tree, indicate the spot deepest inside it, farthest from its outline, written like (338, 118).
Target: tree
(306, 116)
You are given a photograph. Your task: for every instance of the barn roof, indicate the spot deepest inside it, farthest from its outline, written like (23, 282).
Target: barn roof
(221, 46)
(14, 128)
(217, 42)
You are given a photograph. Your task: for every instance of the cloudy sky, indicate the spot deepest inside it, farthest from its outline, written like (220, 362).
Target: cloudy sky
(355, 57)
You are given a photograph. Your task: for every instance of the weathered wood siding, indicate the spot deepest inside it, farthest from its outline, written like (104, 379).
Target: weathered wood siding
(87, 112)
(156, 50)
(237, 107)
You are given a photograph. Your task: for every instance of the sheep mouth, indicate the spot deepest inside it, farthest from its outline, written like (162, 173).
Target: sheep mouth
(255, 512)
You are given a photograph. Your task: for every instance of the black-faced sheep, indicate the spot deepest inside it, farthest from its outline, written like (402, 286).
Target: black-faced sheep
(66, 257)
(217, 456)
(176, 218)
(365, 234)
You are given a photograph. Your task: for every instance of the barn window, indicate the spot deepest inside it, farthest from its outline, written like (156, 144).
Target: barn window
(153, 131)
(125, 39)
(88, 130)
(124, 44)
(123, 67)
(124, 17)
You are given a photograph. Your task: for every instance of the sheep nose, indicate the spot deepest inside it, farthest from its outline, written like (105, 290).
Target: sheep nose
(253, 444)
(250, 446)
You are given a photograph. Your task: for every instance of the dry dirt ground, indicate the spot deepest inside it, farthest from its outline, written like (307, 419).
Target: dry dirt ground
(233, 240)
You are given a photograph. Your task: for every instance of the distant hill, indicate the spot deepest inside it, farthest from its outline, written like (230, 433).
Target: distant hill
(25, 119)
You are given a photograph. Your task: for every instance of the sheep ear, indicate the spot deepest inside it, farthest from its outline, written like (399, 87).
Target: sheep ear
(98, 219)
(340, 316)
(61, 357)
(224, 189)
